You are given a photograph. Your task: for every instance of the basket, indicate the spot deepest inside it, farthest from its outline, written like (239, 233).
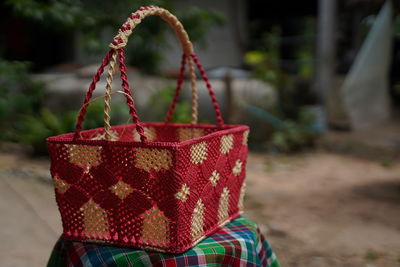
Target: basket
(159, 186)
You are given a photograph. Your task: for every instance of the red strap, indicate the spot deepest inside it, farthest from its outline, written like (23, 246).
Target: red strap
(129, 100)
(210, 90)
(92, 87)
(177, 90)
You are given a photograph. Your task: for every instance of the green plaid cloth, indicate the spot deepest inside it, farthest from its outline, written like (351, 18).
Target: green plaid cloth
(237, 244)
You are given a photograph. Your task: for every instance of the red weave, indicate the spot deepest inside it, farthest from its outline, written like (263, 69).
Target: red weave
(159, 186)
(150, 189)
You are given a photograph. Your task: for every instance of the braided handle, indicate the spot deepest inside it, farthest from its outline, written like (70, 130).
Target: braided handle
(121, 39)
(117, 49)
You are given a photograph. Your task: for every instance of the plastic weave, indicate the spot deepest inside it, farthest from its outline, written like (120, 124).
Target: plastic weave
(158, 186)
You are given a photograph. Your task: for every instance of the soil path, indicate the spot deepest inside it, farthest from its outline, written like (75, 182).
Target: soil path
(325, 209)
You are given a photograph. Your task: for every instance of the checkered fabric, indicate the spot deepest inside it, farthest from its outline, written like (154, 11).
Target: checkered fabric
(239, 243)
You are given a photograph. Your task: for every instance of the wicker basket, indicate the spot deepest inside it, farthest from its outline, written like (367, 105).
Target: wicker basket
(159, 186)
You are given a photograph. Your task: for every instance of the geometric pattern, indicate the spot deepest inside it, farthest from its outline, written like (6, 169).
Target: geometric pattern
(83, 155)
(245, 137)
(197, 220)
(214, 178)
(183, 193)
(189, 133)
(237, 169)
(157, 191)
(60, 185)
(152, 158)
(198, 153)
(121, 189)
(162, 195)
(94, 220)
(155, 227)
(223, 207)
(226, 143)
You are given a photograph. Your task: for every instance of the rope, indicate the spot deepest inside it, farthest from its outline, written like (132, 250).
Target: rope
(107, 97)
(121, 39)
(195, 97)
(210, 90)
(92, 87)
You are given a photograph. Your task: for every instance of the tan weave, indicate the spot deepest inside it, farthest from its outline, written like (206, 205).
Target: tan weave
(107, 98)
(189, 133)
(198, 153)
(197, 220)
(165, 15)
(60, 185)
(149, 132)
(155, 227)
(121, 189)
(223, 207)
(215, 176)
(153, 159)
(237, 169)
(183, 193)
(84, 156)
(195, 97)
(113, 136)
(245, 137)
(226, 143)
(94, 220)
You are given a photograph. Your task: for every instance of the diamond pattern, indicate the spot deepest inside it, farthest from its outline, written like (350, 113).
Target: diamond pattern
(237, 169)
(226, 143)
(121, 189)
(198, 153)
(60, 185)
(183, 193)
(214, 178)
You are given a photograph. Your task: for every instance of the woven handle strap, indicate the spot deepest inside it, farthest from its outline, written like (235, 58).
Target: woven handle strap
(110, 58)
(118, 44)
(121, 39)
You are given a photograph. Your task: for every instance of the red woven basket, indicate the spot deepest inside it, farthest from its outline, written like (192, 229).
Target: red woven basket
(159, 186)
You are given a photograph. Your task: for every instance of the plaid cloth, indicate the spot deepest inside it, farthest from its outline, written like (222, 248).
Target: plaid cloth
(239, 243)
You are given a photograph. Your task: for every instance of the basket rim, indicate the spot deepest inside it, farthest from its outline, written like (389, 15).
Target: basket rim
(67, 138)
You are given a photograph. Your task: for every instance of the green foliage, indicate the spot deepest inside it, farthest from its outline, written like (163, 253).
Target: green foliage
(19, 95)
(266, 62)
(292, 129)
(160, 102)
(198, 21)
(296, 135)
(23, 118)
(90, 17)
(305, 50)
(34, 129)
(396, 26)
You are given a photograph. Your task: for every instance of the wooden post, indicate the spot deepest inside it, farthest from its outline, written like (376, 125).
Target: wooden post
(326, 48)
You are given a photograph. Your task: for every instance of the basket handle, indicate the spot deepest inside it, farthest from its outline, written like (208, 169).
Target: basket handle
(117, 48)
(121, 39)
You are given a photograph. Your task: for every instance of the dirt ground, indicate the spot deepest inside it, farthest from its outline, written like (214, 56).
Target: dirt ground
(322, 209)
(316, 209)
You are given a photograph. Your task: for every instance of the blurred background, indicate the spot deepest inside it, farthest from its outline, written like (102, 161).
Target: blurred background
(318, 82)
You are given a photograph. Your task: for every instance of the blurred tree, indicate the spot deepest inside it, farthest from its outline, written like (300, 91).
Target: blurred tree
(91, 17)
